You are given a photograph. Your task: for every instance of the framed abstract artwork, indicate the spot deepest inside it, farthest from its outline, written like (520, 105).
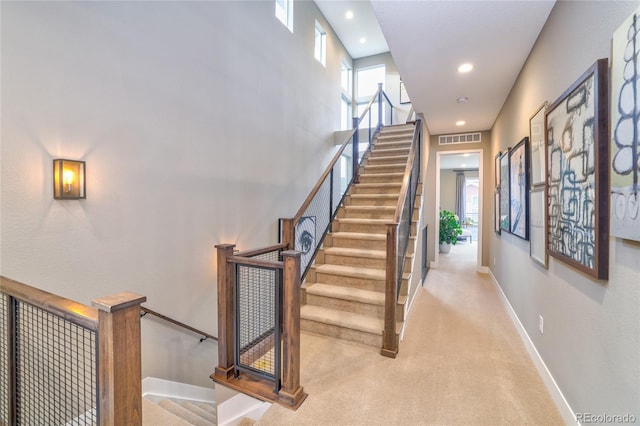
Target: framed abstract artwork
(578, 174)
(519, 189)
(536, 147)
(496, 211)
(505, 218)
(537, 225)
(625, 124)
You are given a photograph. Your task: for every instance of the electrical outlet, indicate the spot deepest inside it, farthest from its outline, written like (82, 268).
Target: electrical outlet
(540, 324)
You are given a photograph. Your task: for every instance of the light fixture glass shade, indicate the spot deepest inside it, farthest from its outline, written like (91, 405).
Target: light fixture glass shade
(68, 179)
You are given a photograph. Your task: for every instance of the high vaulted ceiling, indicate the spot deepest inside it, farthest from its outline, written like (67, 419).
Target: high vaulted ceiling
(430, 39)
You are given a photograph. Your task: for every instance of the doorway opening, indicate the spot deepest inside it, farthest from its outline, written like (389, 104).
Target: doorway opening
(459, 190)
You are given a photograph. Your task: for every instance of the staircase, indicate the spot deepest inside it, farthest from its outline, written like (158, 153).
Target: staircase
(343, 294)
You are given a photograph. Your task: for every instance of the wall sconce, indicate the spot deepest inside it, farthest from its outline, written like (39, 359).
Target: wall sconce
(68, 179)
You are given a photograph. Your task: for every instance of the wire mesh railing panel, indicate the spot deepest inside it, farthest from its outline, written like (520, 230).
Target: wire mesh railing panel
(55, 369)
(312, 225)
(271, 256)
(257, 295)
(4, 359)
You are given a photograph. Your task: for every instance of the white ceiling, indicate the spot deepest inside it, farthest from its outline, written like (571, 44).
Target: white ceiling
(430, 39)
(460, 161)
(363, 24)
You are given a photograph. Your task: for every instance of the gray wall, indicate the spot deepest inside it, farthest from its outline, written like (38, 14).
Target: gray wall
(591, 340)
(200, 122)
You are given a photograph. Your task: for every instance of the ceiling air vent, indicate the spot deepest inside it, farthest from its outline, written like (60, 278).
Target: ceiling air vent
(462, 138)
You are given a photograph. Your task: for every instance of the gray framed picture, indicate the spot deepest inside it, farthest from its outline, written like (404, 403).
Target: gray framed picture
(538, 226)
(518, 189)
(537, 155)
(578, 174)
(505, 221)
(496, 211)
(625, 145)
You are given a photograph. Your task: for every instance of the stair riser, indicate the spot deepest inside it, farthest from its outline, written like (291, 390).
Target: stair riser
(356, 213)
(386, 160)
(393, 152)
(374, 311)
(395, 136)
(383, 168)
(376, 189)
(381, 178)
(338, 259)
(359, 244)
(371, 201)
(341, 333)
(393, 145)
(354, 282)
(368, 228)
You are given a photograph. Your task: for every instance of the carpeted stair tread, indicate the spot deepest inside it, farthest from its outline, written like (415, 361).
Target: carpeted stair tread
(360, 236)
(352, 271)
(352, 252)
(183, 413)
(153, 415)
(200, 412)
(208, 408)
(362, 220)
(387, 175)
(383, 210)
(342, 319)
(347, 293)
(387, 158)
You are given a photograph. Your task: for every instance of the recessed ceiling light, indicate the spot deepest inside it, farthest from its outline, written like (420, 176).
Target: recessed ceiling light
(462, 100)
(349, 14)
(363, 40)
(465, 68)
(466, 154)
(464, 165)
(461, 123)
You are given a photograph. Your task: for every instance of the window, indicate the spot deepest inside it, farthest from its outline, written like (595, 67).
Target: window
(345, 78)
(346, 122)
(320, 50)
(284, 12)
(368, 79)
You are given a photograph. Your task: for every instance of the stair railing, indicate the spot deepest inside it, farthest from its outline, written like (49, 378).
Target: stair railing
(259, 323)
(398, 238)
(62, 362)
(144, 311)
(307, 229)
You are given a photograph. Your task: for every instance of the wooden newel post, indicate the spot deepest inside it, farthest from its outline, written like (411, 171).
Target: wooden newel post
(119, 359)
(288, 234)
(389, 339)
(224, 370)
(291, 392)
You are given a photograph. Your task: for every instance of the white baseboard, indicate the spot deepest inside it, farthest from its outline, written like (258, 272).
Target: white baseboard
(483, 269)
(233, 410)
(563, 406)
(155, 389)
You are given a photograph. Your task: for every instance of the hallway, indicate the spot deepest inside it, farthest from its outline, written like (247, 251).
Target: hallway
(461, 363)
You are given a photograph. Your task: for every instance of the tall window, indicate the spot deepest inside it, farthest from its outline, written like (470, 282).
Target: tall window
(284, 12)
(346, 115)
(320, 50)
(367, 80)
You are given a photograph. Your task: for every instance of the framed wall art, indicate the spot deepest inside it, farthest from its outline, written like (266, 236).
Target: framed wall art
(536, 147)
(497, 165)
(578, 175)
(505, 221)
(519, 188)
(496, 211)
(537, 225)
(625, 122)
(404, 96)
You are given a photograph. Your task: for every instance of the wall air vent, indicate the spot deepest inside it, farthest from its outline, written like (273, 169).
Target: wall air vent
(461, 138)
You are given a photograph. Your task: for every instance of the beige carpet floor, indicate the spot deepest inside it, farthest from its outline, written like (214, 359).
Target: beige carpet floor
(461, 363)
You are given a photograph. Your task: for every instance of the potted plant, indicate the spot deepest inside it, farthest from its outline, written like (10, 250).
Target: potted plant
(449, 230)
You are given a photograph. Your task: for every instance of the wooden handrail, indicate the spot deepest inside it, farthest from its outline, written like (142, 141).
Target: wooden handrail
(257, 252)
(259, 263)
(333, 161)
(77, 313)
(178, 323)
